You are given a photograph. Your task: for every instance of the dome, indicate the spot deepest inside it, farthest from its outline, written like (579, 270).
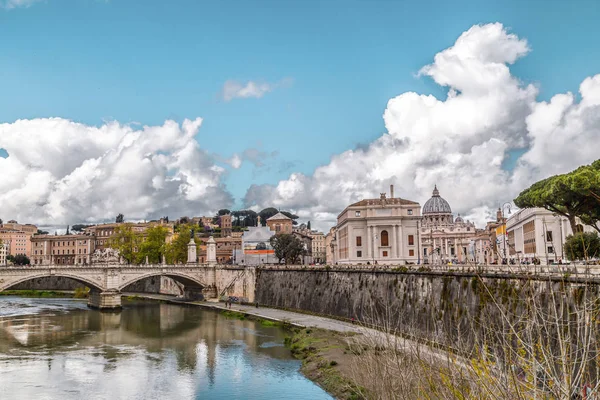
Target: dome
(436, 204)
(458, 219)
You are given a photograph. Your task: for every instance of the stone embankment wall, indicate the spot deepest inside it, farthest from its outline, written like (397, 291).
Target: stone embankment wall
(49, 283)
(446, 308)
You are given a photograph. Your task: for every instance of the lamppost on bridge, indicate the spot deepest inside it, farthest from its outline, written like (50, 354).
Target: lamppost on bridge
(508, 206)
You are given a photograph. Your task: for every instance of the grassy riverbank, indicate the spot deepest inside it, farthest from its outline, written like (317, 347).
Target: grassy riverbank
(49, 294)
(327, 361)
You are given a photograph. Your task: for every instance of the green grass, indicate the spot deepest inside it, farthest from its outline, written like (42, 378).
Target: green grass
(37, 293)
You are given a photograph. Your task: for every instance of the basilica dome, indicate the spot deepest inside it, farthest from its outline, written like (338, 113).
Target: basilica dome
(436, 204)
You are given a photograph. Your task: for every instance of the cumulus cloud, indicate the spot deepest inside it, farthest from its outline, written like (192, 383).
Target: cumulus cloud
(10, 4)
(59, 171)
(237, 90)
(458, 143)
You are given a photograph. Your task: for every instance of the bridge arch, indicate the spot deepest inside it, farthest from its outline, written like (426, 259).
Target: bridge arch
(28, 276)
(188, 281)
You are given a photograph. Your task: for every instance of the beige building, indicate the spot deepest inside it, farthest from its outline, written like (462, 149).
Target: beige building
(536, 233)
(19, 241)
(279, 223)
(317, 243)
(104, 232)
(444, 238)
(62, 250)
(15, 226)
(318, 247)
(382, 231)
(226, 225)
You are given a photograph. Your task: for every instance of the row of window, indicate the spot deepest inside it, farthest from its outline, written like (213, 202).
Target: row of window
(411, 253)
(409, 212)
(67, 251)
(384, 241)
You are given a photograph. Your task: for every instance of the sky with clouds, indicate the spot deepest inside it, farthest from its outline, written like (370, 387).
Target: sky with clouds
(151, 109)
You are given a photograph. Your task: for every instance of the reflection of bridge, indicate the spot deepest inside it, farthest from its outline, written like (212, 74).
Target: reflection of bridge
(107, 280)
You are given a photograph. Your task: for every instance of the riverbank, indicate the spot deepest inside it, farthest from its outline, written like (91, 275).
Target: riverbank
(343, 358)
(76, 294)
(39, 293)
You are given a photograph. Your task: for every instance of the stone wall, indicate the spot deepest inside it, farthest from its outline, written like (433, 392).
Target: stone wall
(446, 308)
(158, 284)
(49, 283)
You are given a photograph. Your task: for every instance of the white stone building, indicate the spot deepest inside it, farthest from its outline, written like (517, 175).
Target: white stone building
(256, 247)
(378, 231)
(539, 233)
(4, 252)
(443, 238)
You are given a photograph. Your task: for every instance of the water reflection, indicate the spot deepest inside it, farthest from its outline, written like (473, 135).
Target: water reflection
(149, 350)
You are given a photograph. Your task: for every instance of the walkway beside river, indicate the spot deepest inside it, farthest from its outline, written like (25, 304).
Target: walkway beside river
(293, 318)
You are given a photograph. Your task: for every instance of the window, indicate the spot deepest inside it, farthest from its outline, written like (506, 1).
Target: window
(549, 236)
(411, 252)
(359, 254)
(409, 211)
(550, 249)
(384, 239)
(451, 251)
(385, 253)
(464, 250)
(358, 241)
(357, 213)
(411, 240)
(425, 251)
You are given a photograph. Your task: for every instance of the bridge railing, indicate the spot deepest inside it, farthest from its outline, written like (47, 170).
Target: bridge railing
(558, 270)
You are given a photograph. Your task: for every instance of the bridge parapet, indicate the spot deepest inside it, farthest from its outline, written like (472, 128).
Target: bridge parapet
(106, 281)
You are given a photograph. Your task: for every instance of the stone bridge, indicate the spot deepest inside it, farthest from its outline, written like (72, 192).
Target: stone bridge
(106, 281)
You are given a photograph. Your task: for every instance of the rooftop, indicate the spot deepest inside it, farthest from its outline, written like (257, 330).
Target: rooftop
(278, 217)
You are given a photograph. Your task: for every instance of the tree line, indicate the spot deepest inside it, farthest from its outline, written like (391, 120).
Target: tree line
(136, 247)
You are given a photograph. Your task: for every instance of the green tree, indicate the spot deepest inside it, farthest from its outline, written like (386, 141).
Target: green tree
(570, 195)
(126, 241)
(176, 251)
(266, 214)
(582, 246)
(79, 227)
(41, 232)
(291, 216)
(153, 245)
(120, 219)
(19, 259)
(287, 247)
(308, 225)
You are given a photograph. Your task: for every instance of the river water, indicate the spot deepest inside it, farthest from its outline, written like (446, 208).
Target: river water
(59, 349)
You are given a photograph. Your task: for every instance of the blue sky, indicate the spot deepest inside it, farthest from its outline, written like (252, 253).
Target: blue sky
(148, 61)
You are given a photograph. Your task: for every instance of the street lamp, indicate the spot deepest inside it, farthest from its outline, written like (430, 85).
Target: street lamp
(507, 206)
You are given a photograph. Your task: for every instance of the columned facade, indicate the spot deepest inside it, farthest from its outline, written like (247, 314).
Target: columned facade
(444, 239)
(378, 231)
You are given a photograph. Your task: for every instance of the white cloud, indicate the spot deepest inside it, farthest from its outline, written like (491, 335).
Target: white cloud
(458, 143)
(59, 172)
(237, 90)
(235, 161)
(10, 4)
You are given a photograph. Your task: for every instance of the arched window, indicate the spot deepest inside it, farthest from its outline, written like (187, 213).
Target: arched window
(384, 238)
(579, 228)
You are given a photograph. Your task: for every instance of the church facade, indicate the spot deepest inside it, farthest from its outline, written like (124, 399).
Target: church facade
(378, 231)
(444, 238)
